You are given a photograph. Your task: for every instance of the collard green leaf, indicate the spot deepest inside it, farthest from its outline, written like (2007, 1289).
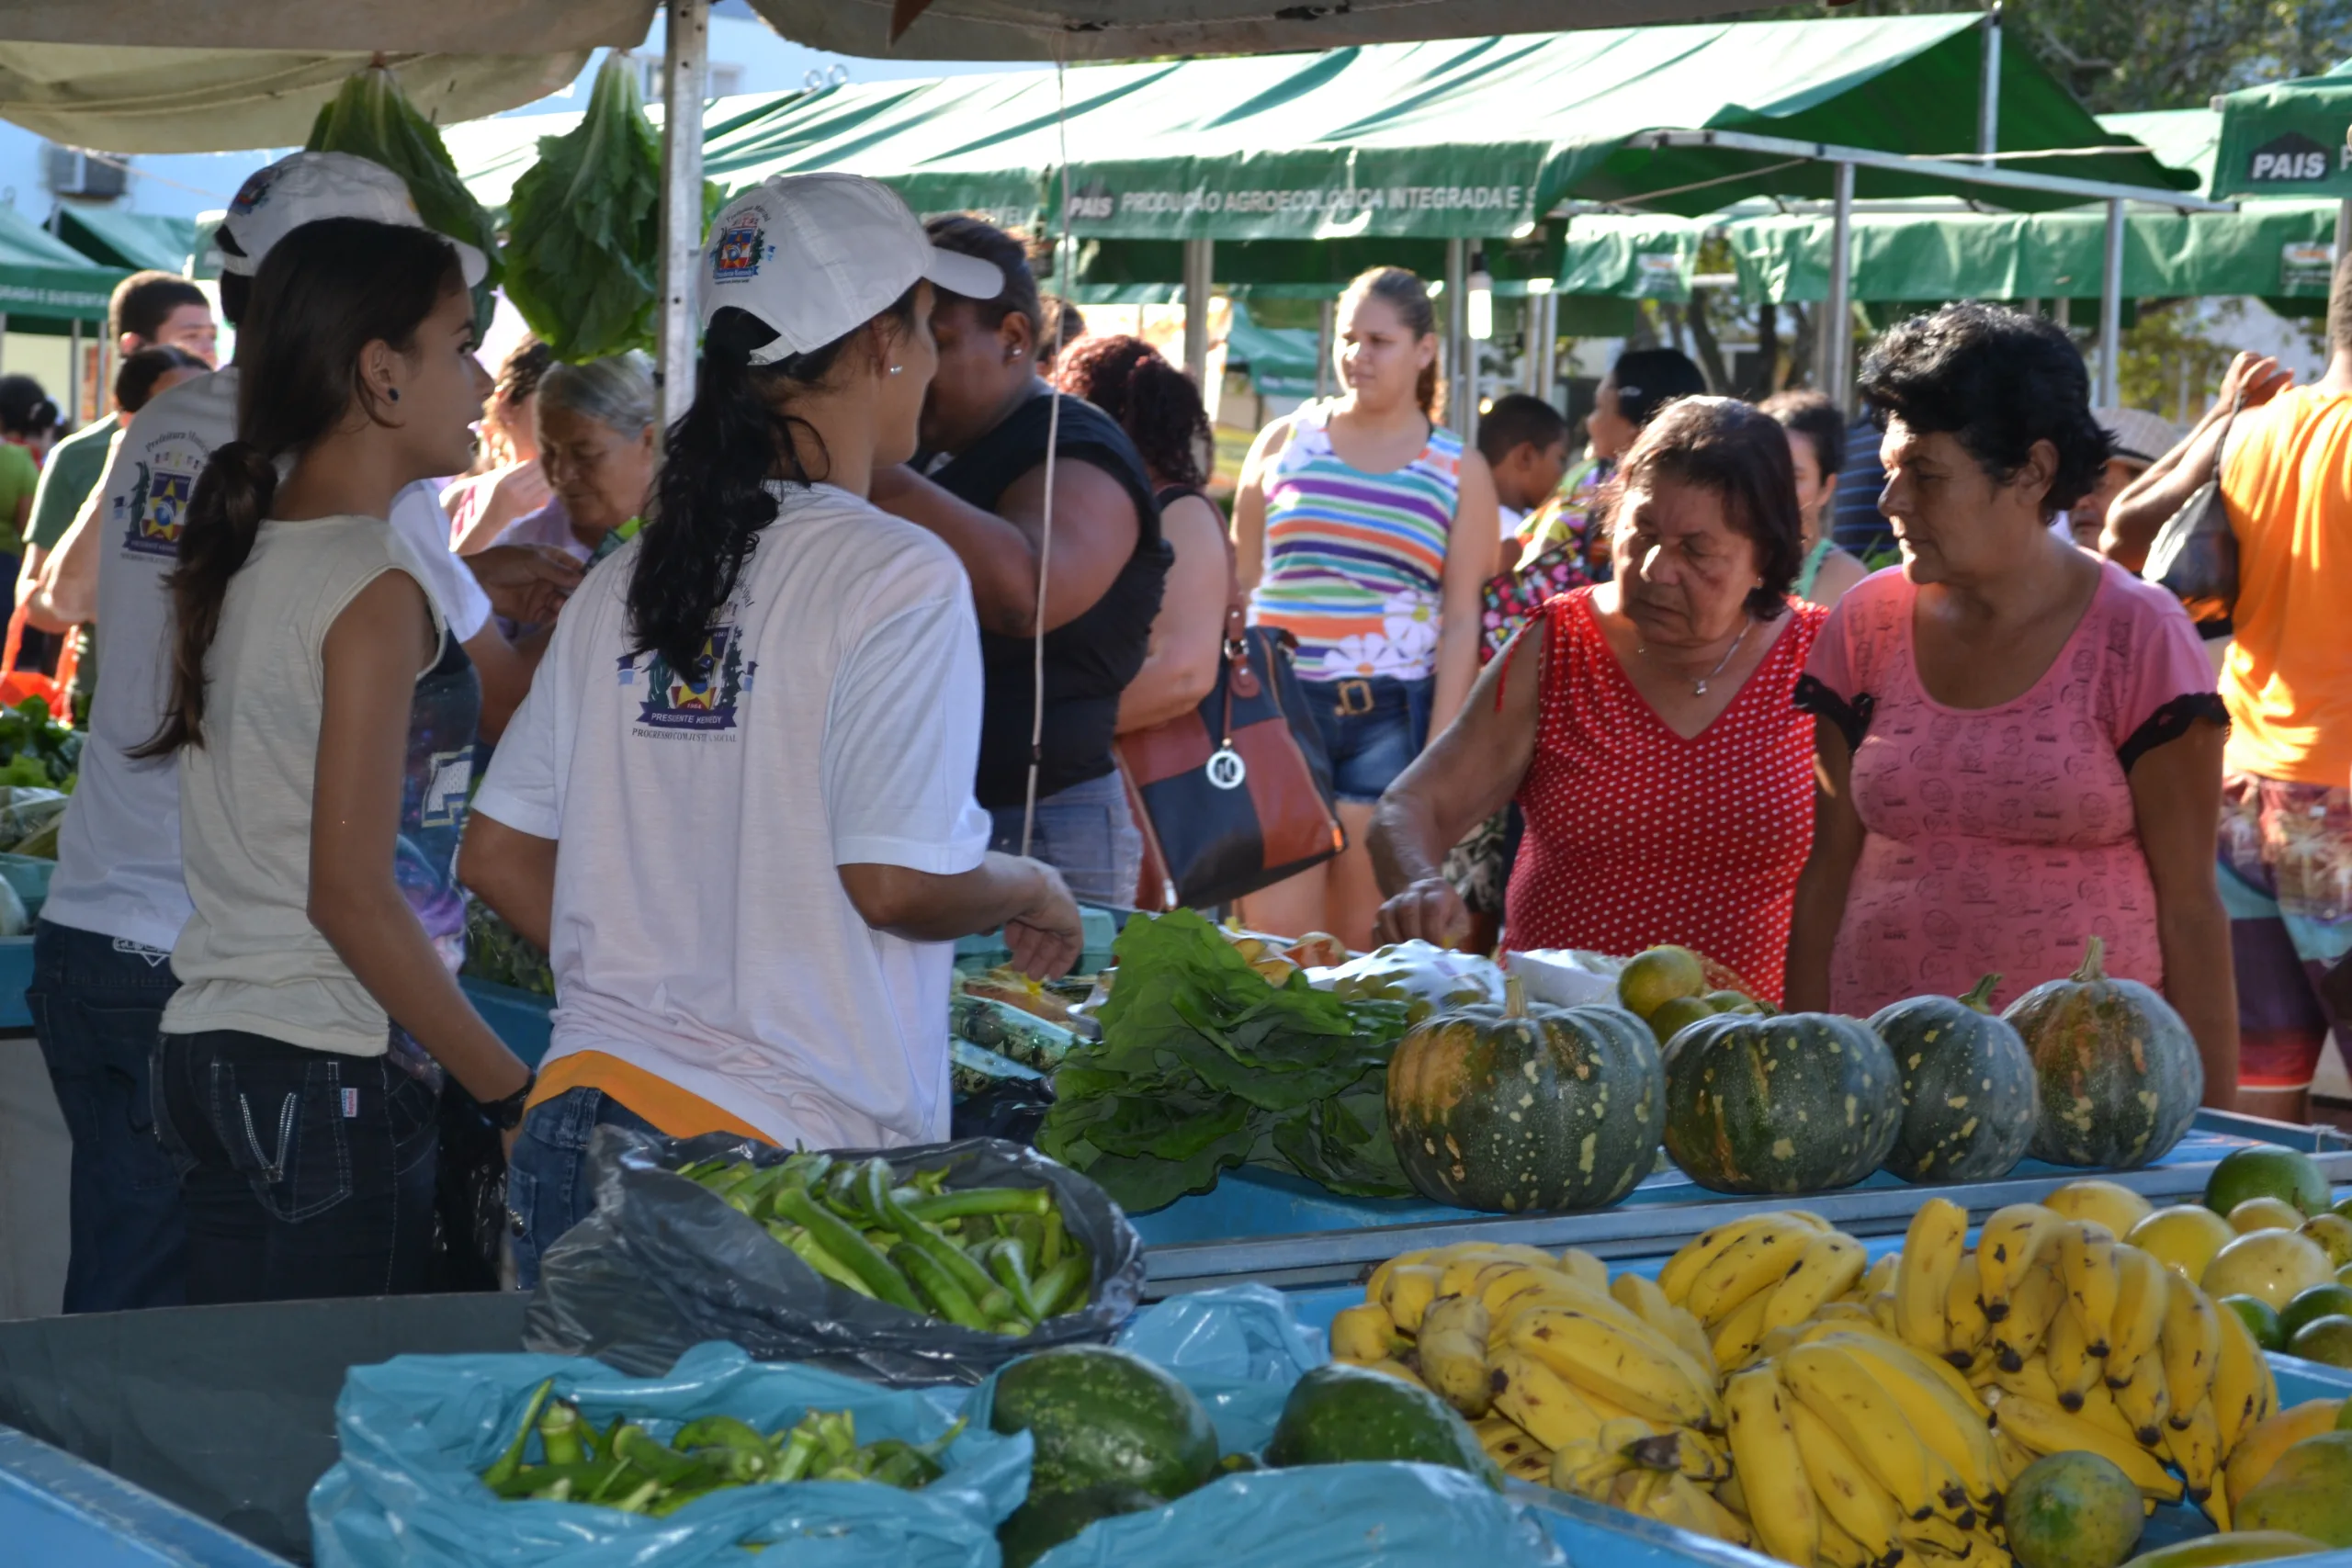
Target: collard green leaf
(372, 118)
(584, 228)
(1204, 1065)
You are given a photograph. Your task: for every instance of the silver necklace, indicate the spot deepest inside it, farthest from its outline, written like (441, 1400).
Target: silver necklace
(1698, 687)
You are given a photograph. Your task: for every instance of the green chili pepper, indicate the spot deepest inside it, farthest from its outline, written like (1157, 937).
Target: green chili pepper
(1061, 1288)
(799, 1452)
(905, 1466)
(969, 1277)
(721, 1432)
(805, 1247)
(1049, 1251)
(671, 1502)
(948, 1299)
(1007, 1261)
(533, 1480)
(969, 1201)
(502, 1469)
(561, 1432)
(846, 1246)
(638, 1501)
(649, 1453)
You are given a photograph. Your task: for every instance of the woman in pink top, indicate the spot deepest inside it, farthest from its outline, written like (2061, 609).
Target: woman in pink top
(2017, 744)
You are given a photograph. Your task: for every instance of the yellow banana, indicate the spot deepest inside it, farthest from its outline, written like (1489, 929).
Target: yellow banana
(2143, 1401)
(1953, 1430)
(1396, 1369)
(1910, 1355)
(1643, 1298)
(1363, 1334)
(1772, 1473)
(1376, 1286)
(1937, 1535)
(1851, 1498)
(1584, 1268)
(2015, 1456)
(1655, 1382)
(2191, 1345)
(1587, 1469)
(1459, 1276)
(2259, 1446)
(1505, 1441)
(1846, 1311)
(1845, 1396)
(1931, 1250)
(1840, 1550)
(1408, 1292)
(1542, 1401)
(1826, 1268)
(1882, 1307)
(2007, 1247)
(1688, 1506)
(2046, 1430)
(1965, 1325)
(2034, 1300)
(1761, 1258)
(2087, 1262)
(2139, 1313)
(2196, 1449)
(1453, 1353)
(2066, 1349)
(2099, 1409)
(2242, 1393)
(1738, 1336)
(2032, 1380)
(1703, 1249)
(1507, 1288)
(1879, 1276)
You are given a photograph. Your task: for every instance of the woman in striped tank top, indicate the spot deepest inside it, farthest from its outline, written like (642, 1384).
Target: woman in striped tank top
(1364, 530)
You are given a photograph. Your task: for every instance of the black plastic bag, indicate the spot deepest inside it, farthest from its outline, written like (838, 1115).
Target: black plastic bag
(664, 1264)
(469, 1196)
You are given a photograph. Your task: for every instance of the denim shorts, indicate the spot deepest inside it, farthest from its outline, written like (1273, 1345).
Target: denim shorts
(1087, 833)
(1372, 729)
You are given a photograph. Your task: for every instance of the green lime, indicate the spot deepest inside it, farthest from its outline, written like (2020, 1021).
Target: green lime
(2260, 1319)
(2309, 1306)
(1677, 1014)
(1652, 979)
(1730, 1001)
(2327, 1340)
(2265, 1170)
(2072, 1510)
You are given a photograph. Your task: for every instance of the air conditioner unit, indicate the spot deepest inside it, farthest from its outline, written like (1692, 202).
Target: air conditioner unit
(70, 172)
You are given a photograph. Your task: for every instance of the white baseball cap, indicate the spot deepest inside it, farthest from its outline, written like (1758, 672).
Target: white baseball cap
(814, 256)
(307, 186)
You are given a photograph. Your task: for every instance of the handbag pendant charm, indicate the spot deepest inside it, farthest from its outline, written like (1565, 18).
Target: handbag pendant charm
(1225, 767)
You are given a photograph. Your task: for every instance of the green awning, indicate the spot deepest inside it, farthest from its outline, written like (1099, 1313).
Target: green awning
(44, 282)
(134, 239)
(1477, 138)
(2287, 138)
(1281, 361)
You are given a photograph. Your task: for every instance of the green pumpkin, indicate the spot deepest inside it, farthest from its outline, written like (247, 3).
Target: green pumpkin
(1521, 1109)
(1801, 1102)
(1969, 1101)
(2120, 1075)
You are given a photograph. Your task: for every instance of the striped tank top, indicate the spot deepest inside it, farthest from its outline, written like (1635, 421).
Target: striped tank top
(1353, 561)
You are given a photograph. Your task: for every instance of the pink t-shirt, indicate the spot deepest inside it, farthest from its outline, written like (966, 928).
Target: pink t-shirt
(2000, 838)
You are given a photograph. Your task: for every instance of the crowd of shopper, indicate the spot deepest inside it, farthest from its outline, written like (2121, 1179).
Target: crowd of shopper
(837, 666)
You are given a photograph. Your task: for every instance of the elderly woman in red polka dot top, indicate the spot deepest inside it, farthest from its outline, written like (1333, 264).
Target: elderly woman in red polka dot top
(1645, 726)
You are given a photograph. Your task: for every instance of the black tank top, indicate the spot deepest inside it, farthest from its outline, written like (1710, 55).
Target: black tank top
(1088, 661)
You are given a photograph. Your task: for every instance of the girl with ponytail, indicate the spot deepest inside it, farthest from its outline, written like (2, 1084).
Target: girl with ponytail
(1365, 530)
(322, 715)
(737, 808)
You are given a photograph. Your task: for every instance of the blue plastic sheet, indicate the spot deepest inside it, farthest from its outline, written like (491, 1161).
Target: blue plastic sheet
(1241, 1349)
(417, 1430)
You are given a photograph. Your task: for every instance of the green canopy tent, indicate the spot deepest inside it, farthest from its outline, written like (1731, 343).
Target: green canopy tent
(46, 285)
(2287, 138)
(134, 239)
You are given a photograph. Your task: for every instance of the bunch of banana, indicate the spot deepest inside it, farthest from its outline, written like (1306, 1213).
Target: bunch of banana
(1593, 1385)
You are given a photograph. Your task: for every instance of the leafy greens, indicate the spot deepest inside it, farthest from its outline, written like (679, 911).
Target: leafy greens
(584, 241)
(1204, 1065)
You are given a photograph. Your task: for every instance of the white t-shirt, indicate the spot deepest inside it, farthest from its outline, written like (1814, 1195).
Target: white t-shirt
(249, 958)
(701, 934)
(119, 851)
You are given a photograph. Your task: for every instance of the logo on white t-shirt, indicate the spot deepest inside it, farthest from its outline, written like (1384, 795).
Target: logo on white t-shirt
(702, 704)
(157, 511)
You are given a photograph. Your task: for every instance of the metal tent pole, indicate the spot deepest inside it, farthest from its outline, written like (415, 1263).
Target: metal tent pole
(2110, 312)
(1837, 338)
(1200, 274)
(685, 64)
(1458, 356)
(1326, 333)
(1547, 342)
(1988, 96)
(74, 373)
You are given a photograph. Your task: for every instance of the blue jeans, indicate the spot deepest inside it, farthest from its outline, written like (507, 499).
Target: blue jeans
(95, 1001)
(306, 1174)
(547, 1186)
(1087, 833)
(1372, 728)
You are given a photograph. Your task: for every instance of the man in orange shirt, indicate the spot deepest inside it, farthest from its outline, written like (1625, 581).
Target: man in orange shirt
(2285, 463)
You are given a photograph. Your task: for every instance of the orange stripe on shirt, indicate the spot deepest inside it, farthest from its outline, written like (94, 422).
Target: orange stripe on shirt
(676, 1112)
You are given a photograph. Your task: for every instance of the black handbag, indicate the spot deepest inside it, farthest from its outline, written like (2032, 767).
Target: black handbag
(2195, 556)
(1237, 795)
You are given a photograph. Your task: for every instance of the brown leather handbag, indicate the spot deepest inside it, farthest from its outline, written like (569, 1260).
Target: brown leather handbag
(1236, 795)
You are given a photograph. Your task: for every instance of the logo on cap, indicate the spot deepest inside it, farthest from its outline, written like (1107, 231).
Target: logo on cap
(2287, 158)
(742, 247)
(253, 192)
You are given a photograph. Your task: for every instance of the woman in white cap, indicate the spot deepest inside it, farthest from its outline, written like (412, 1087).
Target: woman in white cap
(737, 807)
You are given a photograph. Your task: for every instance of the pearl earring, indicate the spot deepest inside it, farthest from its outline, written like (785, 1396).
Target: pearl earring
(896, 369)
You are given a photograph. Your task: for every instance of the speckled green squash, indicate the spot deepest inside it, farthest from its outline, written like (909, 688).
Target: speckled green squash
(1969, 1101)
(1801, 1102)
(1520, 1108)
(2120, 1075)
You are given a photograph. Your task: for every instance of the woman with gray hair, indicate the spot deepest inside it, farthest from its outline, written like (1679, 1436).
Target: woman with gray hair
(596, 431)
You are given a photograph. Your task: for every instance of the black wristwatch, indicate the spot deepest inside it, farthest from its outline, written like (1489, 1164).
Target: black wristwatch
(507, 1114)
